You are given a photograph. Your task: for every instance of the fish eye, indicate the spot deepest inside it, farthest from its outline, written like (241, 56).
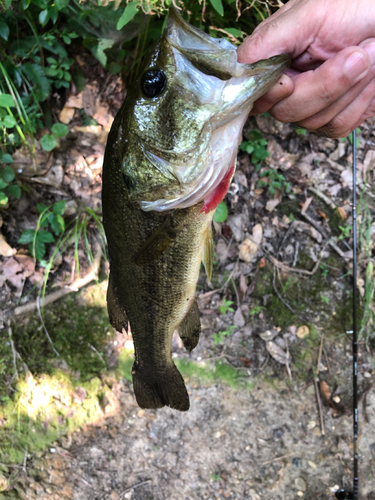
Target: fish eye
(153, 82)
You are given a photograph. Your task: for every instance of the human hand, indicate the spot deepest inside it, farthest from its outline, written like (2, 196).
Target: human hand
(330, 86)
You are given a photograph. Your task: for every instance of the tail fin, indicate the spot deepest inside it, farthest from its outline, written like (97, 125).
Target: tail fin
(155, 389)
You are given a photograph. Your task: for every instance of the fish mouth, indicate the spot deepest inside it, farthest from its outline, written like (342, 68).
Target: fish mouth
(232, 90)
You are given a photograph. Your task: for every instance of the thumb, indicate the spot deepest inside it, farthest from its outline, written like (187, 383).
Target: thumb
(278, 34)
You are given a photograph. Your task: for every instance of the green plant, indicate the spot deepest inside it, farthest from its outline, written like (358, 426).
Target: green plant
(256, 310)
(215, 477)
(220, 336)
(324, 299)
(274, 180)
(49, 141)
(324, 270)
(8, 186)
(37, 238)
(345, 231)
(226, 306)
(256, 147)
(221, 212)
(301, 131)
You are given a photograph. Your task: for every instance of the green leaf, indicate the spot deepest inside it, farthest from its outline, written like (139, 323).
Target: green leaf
(48, 142)
(218, 6)
(15, 191)
(53, 14)
(221, 213)
(234, 32)
(98, 50)
(24, 4)
(9, 121)
(6, 158)
(59, 207)
(41, 207)
(61, 4)
(58, 224)
(3, 198)
(130, 11)
(3, 184)
(45, 236)
(27, 236)
(40, 249)
(6, 101)
(59, 129)
(114, 68)
(43, 17)
(8, 174)
(7, 3)
(4, 29)
(37, 76)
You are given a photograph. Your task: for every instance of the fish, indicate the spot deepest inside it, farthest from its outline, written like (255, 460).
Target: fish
(169, 161)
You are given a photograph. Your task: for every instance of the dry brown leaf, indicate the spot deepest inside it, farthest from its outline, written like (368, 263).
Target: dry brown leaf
(278, 354)
(243, 284)
(302, 331)
(262, 263)
(307, 204)
(11, 271)
(66, 115)
(342, 212)
(245, 361)
(249, 246)
(325, 390)
(322, 214)
(238, 318)
(5, 249)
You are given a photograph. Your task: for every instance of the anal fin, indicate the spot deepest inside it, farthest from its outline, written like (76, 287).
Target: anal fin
(190, 327)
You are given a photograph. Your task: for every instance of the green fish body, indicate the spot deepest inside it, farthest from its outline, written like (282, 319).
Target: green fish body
(169, 161)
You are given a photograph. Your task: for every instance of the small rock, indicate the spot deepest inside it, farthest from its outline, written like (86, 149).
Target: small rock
(300, 484)
(311, 424)
(302, 331)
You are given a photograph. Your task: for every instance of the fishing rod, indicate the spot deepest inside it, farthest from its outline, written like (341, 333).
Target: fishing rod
(343, 494)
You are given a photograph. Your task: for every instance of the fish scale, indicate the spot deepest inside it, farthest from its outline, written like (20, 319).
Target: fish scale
(168, 163)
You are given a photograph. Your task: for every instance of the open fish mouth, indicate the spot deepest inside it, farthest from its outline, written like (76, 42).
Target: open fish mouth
(224, 91)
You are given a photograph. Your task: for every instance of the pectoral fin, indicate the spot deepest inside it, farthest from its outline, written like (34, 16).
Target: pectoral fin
(190, 328)
(208, 252)
(156, 244)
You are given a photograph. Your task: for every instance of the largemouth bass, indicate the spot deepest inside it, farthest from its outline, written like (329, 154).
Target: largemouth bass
(169, 161)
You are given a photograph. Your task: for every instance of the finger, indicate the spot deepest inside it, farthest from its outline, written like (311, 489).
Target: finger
(283, 88)
(336, 108)
(273, 36)
(361, 108)
(316, 90)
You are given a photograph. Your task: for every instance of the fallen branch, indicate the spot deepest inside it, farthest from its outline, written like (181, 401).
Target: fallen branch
(319, 406)
(52, 297)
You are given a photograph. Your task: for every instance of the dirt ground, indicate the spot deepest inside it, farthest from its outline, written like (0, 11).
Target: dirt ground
(259, 444)
(276, 313)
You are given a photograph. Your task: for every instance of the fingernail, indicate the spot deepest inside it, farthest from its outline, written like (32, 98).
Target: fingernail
(370, 49)
(356, 66)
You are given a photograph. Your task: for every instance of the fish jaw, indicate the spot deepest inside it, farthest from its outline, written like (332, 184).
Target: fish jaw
(221, 93)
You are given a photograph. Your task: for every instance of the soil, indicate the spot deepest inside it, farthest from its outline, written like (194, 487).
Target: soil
(270, 381)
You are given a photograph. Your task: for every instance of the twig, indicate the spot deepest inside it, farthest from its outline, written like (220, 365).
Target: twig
(319, 406)
(320, 353)
(52, 297)
(24, 461)
(323, 233)
(230, 276)
(44, 326)
(278, 458)
(322, 196)
(13, 349)
(295, 254)
(133, 487)
(278, 293)
(236, 292)
(97, 352)
(288, 269)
